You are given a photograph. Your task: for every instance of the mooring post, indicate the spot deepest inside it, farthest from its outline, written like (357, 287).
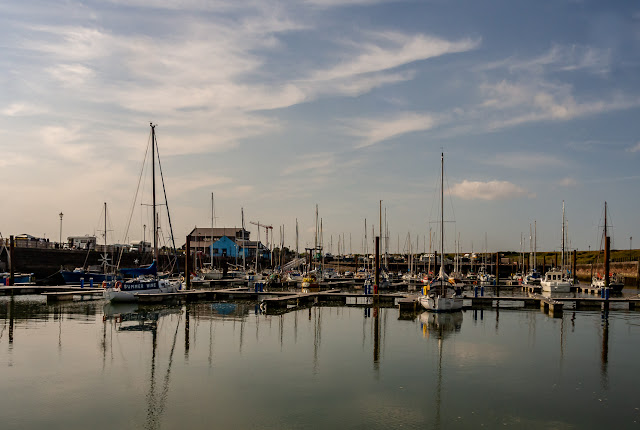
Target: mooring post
(497, 271)
(574, 267)
(638, 274)
(187, 258)
(11, 262)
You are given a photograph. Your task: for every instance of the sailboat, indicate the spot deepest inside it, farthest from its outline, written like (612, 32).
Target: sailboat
(606, 279)
(439, 296)
(555, 280)
(144, 279)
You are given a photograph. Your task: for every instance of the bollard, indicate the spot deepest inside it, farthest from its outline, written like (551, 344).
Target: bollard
(255, 287)
(606, 293)
(90, 282)
(475, 291)
(482, 291)
(261, 287)
(81, 282)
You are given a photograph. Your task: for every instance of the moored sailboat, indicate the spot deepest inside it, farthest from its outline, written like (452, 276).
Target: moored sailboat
(439, 296)
(143, 280)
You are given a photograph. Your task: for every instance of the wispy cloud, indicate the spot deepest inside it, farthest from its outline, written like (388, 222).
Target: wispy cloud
(375, 130)
(635, 148)
(563, 58)
(388, 50)
(516, 103)
(22, 109)
(491, 190)
(568, 182)
(523, 160)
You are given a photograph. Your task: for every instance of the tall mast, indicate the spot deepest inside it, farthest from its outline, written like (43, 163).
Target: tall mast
(105, 238)
(153, 181)
(562, 260)
(441, 218)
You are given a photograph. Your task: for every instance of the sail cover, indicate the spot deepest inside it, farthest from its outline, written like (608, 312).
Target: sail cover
(140, 271)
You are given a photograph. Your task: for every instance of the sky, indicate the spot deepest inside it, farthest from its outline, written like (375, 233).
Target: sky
(275, 107)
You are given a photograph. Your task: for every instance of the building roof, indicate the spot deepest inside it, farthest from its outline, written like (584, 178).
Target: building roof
(215, 232)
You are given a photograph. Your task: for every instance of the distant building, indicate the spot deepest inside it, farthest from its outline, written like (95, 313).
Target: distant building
(28, 241)
(200, 239)
(82, 242)
(228, 247)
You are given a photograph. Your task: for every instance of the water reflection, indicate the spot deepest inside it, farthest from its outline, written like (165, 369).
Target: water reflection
(440, 326)
(604, 352)
(132, 318)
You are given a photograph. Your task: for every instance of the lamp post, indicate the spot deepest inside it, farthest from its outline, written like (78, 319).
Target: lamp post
(61, 214)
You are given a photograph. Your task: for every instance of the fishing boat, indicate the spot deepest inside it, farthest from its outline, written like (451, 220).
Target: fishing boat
(554, 281)
(144, 280)
(605, 279)
(439, 295)
(18, 278)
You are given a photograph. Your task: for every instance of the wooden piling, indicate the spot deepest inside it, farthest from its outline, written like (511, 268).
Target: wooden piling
(574, 267)
(11, 261)
(497, 269)
(607, 244)
(187, 261)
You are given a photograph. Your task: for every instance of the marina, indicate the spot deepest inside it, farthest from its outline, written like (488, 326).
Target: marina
(200, 361)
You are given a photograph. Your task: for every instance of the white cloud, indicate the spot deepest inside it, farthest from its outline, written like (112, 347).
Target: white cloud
(312, 165)
(523, 160)
(518, 103)
(71, 75)
(568, 182)
(559, 58)
(372, 131)
(389, 50)
(491, 190)
(22, 109)
(635, 148)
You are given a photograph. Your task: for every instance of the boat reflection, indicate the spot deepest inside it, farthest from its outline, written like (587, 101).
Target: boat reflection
(440, 324)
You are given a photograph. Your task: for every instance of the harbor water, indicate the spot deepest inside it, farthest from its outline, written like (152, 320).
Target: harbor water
(228, 365)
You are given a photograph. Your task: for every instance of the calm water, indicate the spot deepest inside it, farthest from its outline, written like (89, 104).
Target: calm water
(224, 365)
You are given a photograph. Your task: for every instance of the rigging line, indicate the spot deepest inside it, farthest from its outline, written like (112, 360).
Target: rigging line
(133, 203)
(166, 202)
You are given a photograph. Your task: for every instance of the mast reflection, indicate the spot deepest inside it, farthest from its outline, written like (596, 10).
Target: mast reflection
(440, 326)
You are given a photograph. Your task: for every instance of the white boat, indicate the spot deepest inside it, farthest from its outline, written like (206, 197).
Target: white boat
(143, 280)
(598, 280)
(554, 281)
(440, 296)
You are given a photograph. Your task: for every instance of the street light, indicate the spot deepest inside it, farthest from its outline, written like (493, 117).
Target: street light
(61, 214)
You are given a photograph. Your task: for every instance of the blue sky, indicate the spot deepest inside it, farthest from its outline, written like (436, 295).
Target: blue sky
(277, 106)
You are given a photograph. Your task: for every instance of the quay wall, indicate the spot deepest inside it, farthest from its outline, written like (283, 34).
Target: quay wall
(45, 264)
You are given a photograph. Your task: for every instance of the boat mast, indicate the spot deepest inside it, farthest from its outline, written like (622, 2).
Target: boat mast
(153, 182)
(105, 238)
(441, 219)
(562, 259)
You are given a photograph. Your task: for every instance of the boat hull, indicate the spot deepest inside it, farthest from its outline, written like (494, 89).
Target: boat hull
(556, 287)
(75, 277)
(128, 292)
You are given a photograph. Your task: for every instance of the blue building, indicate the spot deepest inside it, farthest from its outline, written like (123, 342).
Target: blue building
(229, 247)
(224, 247)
